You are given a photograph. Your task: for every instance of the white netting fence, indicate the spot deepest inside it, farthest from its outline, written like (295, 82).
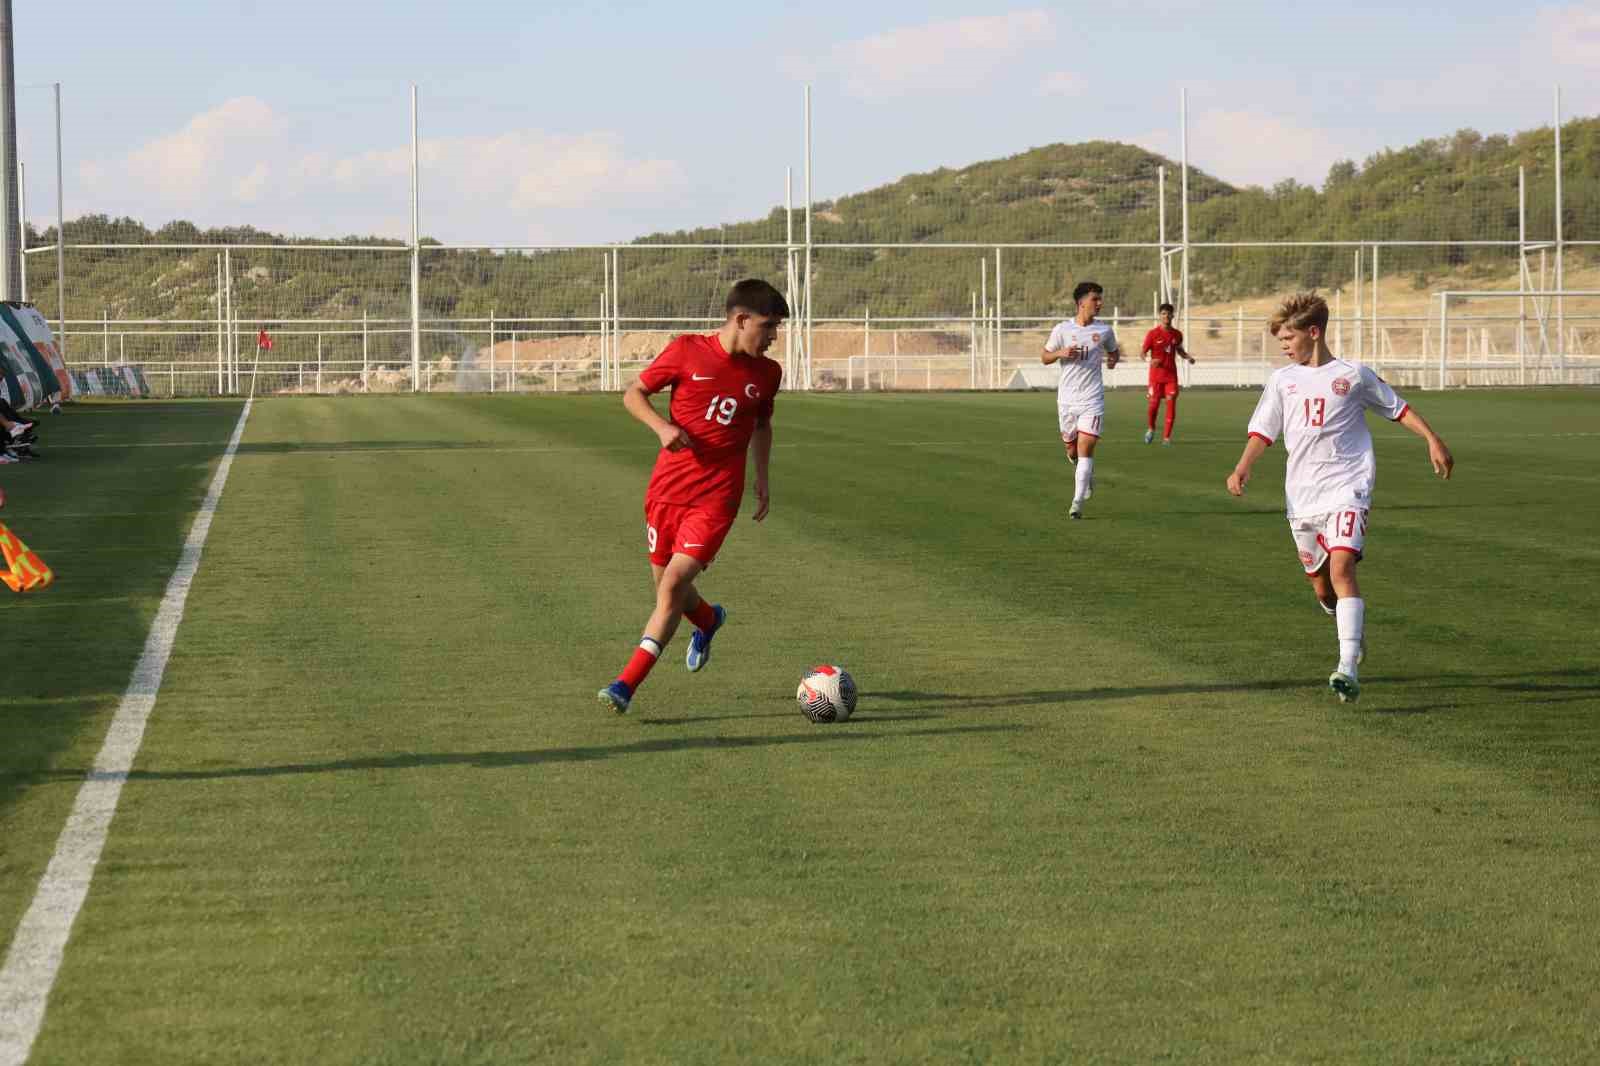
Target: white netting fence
(949, 279)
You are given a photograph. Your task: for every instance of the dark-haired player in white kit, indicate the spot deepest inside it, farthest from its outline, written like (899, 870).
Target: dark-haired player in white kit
(1318, 404)
(1081, 346)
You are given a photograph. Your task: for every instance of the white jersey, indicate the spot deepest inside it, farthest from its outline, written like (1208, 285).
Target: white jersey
(1321, 414)
(1082, 385)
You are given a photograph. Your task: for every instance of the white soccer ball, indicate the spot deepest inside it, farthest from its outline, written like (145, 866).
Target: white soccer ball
(827, 693)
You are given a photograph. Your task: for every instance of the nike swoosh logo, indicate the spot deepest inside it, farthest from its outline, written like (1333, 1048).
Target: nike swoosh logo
(694, 545)
(697, 377)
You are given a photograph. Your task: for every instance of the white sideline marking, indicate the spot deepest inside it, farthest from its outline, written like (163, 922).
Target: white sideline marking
(35, 956)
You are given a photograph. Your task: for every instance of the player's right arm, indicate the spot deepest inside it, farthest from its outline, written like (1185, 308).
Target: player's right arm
(662, 371)
(1241, 470)
(1149, 343)
(1266, 425)
(1056, 348)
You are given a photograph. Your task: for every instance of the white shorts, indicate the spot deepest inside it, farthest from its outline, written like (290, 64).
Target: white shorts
(1320, 536)
(1075, 420)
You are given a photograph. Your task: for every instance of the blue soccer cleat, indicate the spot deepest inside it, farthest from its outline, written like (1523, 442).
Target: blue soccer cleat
(617, 696)
(700, 643)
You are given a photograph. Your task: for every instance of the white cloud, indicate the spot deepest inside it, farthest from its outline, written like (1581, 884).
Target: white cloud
(188, 160)
(944, 55)
(248, 188)
(1254, 148)
(1572, 34)
(240, 163)
(526, 171)
(1061, 83)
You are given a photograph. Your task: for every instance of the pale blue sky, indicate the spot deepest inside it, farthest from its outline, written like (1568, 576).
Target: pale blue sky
(593, 122)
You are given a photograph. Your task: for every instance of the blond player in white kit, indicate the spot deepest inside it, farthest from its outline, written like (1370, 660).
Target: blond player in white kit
(1318, 404)
(1081, 345)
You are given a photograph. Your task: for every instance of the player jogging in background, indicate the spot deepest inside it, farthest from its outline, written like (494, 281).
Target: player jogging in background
(723, 387)
(1163, 346)
(1318, 405)
(1080, 345)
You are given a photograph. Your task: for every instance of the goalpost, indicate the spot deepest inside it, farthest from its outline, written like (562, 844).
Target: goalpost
(1519, 337)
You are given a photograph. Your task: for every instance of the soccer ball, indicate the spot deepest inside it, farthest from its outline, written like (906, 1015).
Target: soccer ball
(826, 694)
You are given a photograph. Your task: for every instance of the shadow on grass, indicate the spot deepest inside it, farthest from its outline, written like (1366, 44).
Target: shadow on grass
(495, 760)
(1521, 682)
(859, 718)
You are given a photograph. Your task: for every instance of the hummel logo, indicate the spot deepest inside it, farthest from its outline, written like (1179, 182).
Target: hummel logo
(697, 377)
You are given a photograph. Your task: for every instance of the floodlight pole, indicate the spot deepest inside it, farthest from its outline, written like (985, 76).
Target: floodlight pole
(788, 269)
(10, 221)
(416, 257)
(1561, 286)
(219, 325)
(1183, 109)
(1522, 275)
(61, 241)
(1163, 284)
(999, 301)
(22, 227)
(806, 355)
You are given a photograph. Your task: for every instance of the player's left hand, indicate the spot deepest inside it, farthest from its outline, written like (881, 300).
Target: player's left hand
(1439, 455)
(763, 501)
(1112, 359)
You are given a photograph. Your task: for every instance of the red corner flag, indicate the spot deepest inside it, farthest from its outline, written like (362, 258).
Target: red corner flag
(264, 341)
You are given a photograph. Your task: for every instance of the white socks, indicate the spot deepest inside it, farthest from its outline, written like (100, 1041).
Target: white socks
(1085, 475)
(1351, 615)
(651, 645)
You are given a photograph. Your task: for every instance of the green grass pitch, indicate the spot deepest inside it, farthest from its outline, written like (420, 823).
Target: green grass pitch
(1097, 804)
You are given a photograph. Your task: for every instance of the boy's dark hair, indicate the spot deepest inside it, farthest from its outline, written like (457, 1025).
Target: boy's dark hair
(757, 297)
(1168, 308)
(1085, 288)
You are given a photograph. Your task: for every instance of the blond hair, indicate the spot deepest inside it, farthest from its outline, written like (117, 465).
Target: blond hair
(1300, 311)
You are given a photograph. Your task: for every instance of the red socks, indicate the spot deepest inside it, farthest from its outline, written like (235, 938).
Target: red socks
(638, 668)
(703, 617)
(1172, 416)
(1150, 413)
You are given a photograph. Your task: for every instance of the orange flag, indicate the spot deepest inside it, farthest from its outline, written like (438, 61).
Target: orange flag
(24, 571)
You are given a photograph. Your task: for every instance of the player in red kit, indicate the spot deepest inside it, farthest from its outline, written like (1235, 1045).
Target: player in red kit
(1163, 346)
(723, 386)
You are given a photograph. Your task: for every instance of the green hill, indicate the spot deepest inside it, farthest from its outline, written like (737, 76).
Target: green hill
(1463, 187)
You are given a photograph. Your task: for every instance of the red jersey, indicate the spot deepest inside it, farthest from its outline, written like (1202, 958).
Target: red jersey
(1163, 343)
(717, 399)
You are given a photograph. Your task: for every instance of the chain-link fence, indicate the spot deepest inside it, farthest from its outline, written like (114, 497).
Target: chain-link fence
(950, 279)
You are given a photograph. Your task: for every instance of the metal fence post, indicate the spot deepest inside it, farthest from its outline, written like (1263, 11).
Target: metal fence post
(1444, 334)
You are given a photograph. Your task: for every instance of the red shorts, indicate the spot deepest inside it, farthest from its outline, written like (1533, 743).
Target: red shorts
(684, 529)
(1163, 387)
